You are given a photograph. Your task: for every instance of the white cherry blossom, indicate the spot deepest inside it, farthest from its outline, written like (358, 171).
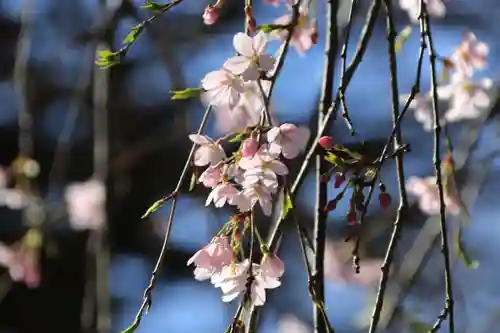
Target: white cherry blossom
(468, 100)
(212, 176)
(208, 152)
(253, 57)
(85, 204)
(222, 194)
(212, 258)
(301, 38)
(222, 88)
(426, 192)
(470, 55)
(289, 139)
(435, 8)
(257, 192)
(233, 282)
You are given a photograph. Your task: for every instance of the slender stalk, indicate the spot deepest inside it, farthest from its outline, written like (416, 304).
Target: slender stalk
(403, 203)
(147, 298)
(320, 217)
(448, 310)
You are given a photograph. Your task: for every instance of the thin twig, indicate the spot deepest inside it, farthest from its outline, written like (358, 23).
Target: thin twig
(173, 197)
(320, 217)
(448, 310)
(403, 203)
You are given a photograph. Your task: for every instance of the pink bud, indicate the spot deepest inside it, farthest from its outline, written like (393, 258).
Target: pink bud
(339, 179)
(384, 199)
(326, 142)
(211, 15)
(249, 147)
(352, 218)
(330, 205)
(272, 266)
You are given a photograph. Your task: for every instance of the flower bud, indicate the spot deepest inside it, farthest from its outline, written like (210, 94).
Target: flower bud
(352, 218)
(330, 205)
(249, 147)
(211, 15)
(339, 179)
(272, 266)
(326, 142)
(384, 199)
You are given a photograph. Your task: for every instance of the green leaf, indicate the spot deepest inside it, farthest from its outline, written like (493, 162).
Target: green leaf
(185, 94)
(419, 327)
(267, 28)
(402, 37)
(134, 33)
(106, 58)
(237, 138)
(287, 205)
(464, 257)
(154, 6)
(154, 207)
(130, 329)
(192, 182)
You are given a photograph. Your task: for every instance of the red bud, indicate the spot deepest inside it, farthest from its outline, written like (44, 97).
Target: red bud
(331, 205)
(326, 142)
(352, 218)
(385, 199)
(339, 179)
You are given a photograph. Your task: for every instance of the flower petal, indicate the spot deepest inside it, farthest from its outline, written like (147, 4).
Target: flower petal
(243, 44)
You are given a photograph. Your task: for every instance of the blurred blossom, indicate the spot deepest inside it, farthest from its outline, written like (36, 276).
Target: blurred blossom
(426, 193)
(435, 8)
(338, 266)
(301, 38)
(291, 324)
(10, 198)
(470, 55)
(22, 263)
(86, 204)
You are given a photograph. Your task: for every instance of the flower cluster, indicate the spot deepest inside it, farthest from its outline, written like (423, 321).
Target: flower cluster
(249, 176)
(467, 98)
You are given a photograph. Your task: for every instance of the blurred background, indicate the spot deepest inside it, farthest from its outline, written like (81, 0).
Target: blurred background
(120, 128)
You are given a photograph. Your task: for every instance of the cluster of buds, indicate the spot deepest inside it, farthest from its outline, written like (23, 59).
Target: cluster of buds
(353, 167)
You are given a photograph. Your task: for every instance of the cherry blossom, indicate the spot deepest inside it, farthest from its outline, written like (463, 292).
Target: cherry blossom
(435, 8)
(249, 147)
(208, 152)
(470, 55)
(85, 203)
(289, 139)
(222, 88)
(212, 258)
(233, 282)
(468, 100)
(426, 192)
(301, 38)
(22, 263)
(221, 194)
(257, 192)
(211, 14)
(272, 265)
(252, 59)
(212, 176)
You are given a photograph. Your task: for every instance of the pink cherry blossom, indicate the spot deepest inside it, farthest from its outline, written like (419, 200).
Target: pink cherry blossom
(249, 147)
(212, 176)
(435, 8)
(208, 152)
(257, 192)
(85, 203)
(252, 59)
(233, 282)
(301, 38)
(22, 263)
(289, 139)
(211, 15)
(338, 265)
(259, 159)
(470, 55)
(222, 88)
(265, 177)
(426, 192)
(212, 258)
(468, 100)
(222, 194)
(272, 265)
